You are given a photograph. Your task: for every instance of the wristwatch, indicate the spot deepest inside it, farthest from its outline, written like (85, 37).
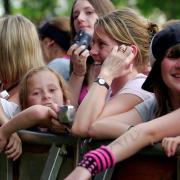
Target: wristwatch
(102, 82)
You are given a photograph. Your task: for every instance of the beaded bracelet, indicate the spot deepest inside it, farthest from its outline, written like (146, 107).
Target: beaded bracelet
(98, 160)
(79, 75)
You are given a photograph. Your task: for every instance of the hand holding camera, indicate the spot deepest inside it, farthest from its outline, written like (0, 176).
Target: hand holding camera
(82, 38)
(79, 53)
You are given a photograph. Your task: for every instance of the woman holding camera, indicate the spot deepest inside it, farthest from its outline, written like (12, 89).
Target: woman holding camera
(83, 16)
(120, 53)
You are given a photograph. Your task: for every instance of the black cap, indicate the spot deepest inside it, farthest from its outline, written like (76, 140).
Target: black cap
(161, 42)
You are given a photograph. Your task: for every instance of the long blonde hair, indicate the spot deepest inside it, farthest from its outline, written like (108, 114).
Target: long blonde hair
(20, 48)
(127, 27)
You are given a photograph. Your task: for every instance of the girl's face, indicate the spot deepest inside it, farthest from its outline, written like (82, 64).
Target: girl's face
(101, 46)
(84, 16)
(44, 89)
(170, 71)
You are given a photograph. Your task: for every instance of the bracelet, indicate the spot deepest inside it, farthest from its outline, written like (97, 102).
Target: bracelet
(131, 126)
(98, 160)
(79, 75)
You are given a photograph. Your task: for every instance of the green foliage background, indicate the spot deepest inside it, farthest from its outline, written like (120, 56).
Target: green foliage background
(171, 8)
(37, 10)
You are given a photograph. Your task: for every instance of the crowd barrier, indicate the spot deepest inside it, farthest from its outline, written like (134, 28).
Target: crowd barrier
(49, 156)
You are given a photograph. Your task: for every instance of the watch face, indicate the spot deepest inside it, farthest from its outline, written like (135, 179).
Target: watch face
(101, 81)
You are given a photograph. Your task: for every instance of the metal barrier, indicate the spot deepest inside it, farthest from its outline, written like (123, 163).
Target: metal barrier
(56, 148)
(54, 145)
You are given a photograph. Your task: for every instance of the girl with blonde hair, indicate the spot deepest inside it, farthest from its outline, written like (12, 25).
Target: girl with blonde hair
(19, 52)
(42, 92)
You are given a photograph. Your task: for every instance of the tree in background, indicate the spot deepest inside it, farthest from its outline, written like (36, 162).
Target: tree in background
(7, 6)
(171, 8)
(37, 10)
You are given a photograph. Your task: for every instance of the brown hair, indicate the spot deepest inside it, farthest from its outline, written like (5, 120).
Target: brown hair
(62, 23)
(126, 26)
(101, 7)
(160, 89)
(58, 29)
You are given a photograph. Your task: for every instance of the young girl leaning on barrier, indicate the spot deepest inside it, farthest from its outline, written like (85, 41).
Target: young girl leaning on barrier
(42, 93)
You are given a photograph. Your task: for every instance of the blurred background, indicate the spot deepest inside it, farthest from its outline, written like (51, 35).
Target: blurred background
(39, 10)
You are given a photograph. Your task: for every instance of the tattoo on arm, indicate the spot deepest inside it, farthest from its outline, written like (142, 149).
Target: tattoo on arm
(126, 139)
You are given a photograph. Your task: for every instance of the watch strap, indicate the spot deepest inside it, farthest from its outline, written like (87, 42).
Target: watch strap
(102, 82)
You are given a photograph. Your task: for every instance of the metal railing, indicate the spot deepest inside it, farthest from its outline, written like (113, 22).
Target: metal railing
(56, 147)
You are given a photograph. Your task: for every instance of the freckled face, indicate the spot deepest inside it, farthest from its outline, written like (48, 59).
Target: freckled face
(170, 71)
(84, 16)
(44, 89)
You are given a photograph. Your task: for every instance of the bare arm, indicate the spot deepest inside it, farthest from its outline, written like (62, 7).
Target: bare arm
(34, 115)
(79, 57)
(145, 134)
(120, 103)
(13, 148)
(75, 83)
(93, 105)
(112, 127)
(89, 109)
(3, 118)
(137, 138)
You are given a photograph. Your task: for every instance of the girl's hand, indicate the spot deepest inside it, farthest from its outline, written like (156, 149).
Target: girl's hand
(42, 114)
(58, 127)
(55, 126)
(11, 148)
(118, 63)
(3, 140)
(79, 173)
(79, 55)
(170, 145)
(14, 147)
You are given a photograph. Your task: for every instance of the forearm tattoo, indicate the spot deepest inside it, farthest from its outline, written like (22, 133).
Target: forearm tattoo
(126, 139)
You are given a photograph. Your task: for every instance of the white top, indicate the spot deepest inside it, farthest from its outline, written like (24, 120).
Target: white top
(10, 108)
(133, 86)
(62, 66)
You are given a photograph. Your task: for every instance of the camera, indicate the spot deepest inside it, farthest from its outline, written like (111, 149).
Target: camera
(66, 114)
(82, 38)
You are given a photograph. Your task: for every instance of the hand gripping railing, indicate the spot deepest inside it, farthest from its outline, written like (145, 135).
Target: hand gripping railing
(57, 150)
(58, 144)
